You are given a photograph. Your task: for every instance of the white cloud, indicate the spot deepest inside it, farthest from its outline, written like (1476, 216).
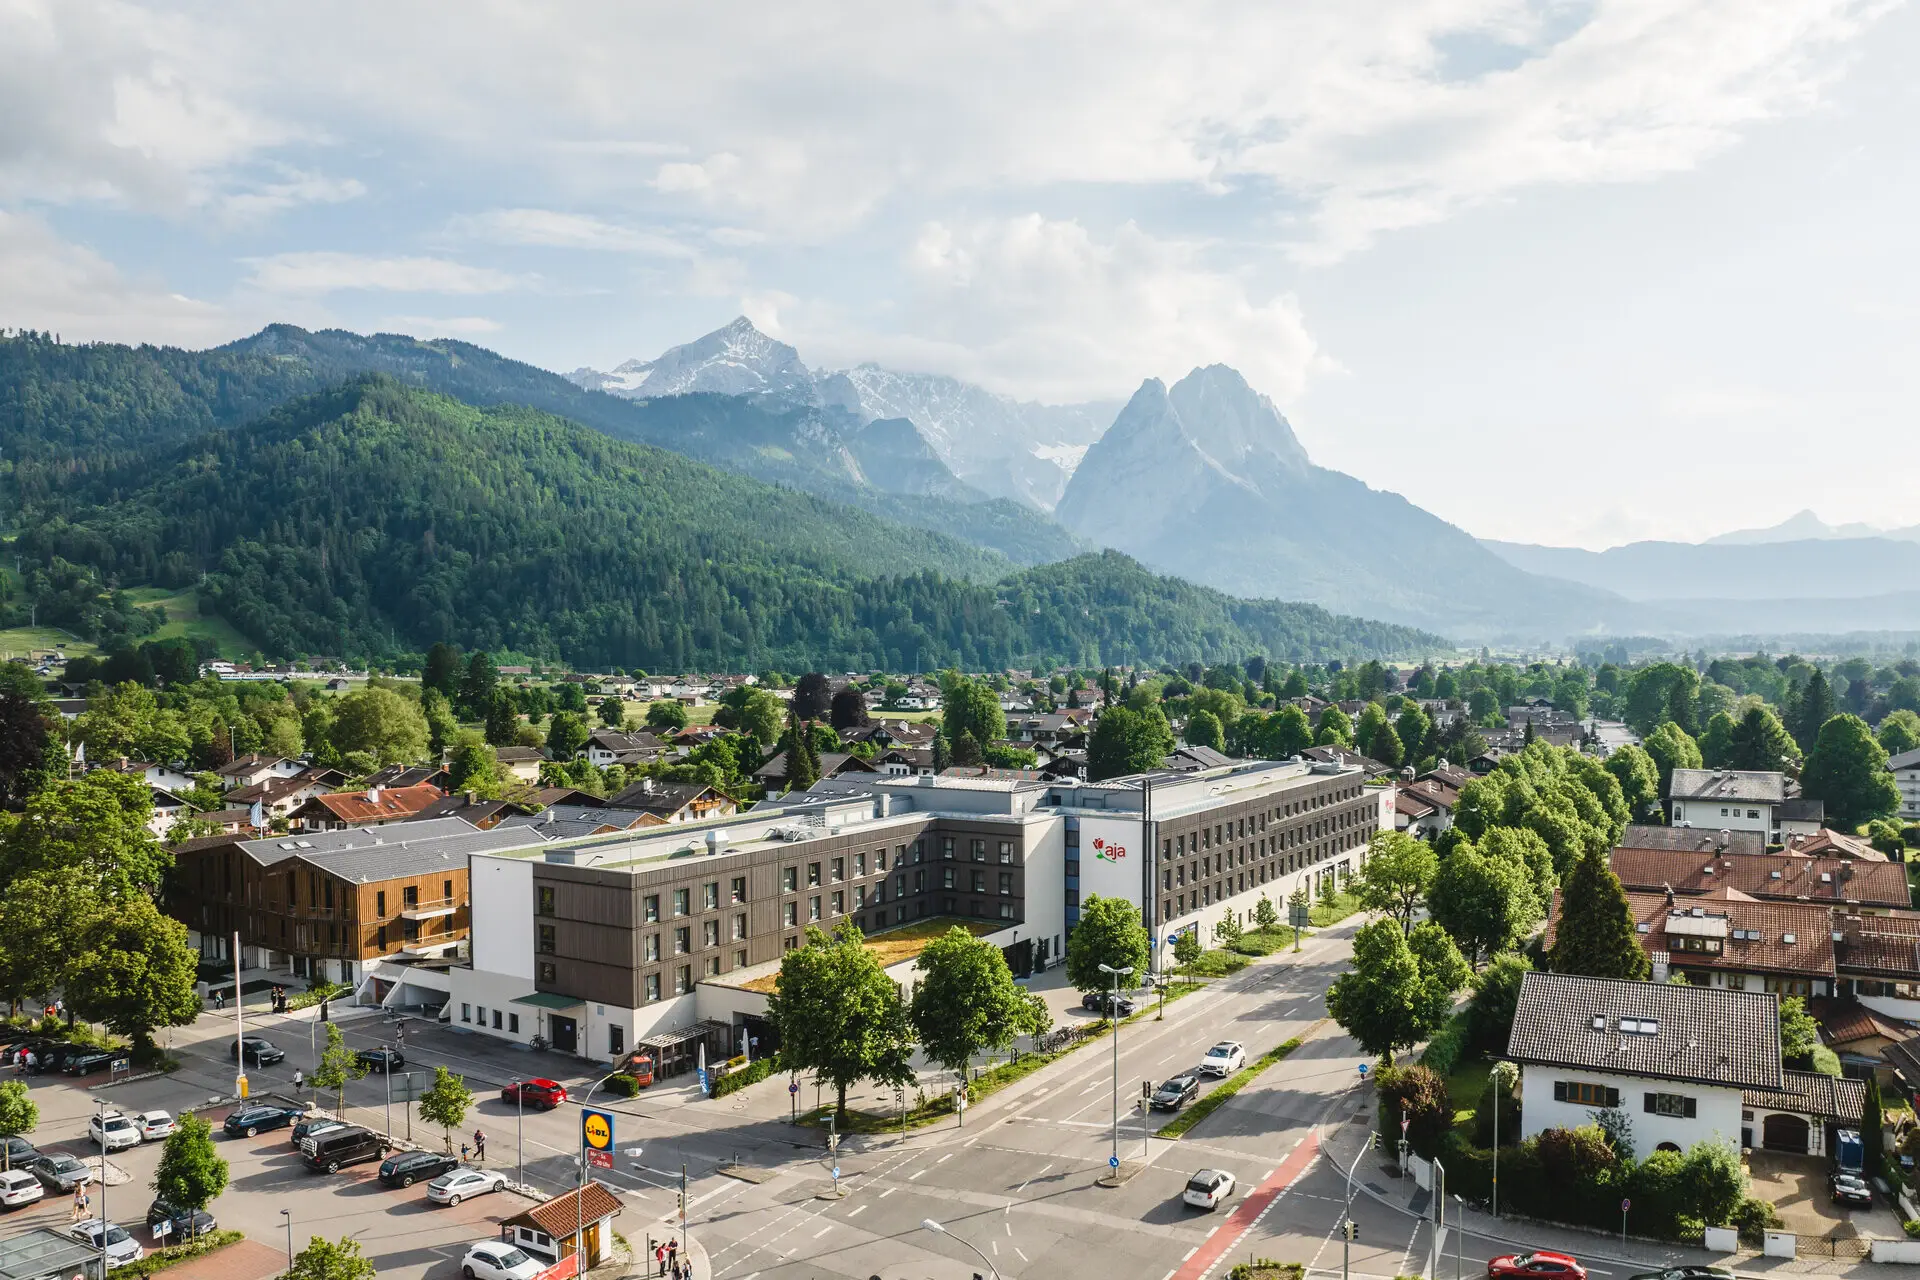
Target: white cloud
(1044, 308)
(295, 188)
(69, 289)
(322, 272)
(555, 229)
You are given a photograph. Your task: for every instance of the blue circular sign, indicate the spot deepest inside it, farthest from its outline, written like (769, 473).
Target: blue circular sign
(1363, 1068)
(795, 1088)
(1113, 1162)
(836, 1171)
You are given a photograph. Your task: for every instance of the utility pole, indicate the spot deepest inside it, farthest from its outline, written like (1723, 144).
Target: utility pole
(1113, 1012)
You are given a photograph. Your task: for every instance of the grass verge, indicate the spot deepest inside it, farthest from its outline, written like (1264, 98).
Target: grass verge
(939, 1107)
(1322, 914)
(1217, 963)
(169, 1255)
(1205, 1106)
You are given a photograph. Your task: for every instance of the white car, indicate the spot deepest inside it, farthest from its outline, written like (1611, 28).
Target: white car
(1207, 1188)
(153, 1125)
(1224, 1058)
(113, 1131)
(492, 1260)
(121, 1247)
(18, 1187)
(464, 1184)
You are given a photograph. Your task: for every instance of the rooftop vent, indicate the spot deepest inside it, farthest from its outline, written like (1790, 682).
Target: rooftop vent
(1789, 938)
(1598, 1022)
(1642, 927)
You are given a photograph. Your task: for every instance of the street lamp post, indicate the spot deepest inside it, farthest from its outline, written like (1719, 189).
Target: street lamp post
(1458, 1227)
(1113, 1011)
(288, 1215)
(105, 1221)
(930, 1225)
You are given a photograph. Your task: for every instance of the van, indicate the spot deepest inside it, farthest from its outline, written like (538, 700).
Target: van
(336, 1148)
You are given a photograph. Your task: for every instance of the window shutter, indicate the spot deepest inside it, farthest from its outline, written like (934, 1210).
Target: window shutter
(1613, 1097)
(1648, 1108)
(1559, 1090)
(1693, 1108)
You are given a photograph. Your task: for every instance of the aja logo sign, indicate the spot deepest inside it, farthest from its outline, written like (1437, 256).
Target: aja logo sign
(1107, 850)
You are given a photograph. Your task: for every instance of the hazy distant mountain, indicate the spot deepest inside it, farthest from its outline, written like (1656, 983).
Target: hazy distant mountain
(1802, 526)
(1003, 447)
(1813, 568)
(1206, 479)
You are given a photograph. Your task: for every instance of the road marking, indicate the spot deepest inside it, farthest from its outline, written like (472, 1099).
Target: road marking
(822, 1231)
(996, 1247)
(857, 1212)
(915, 1177)
(889, 1191)
(943, 1159)
(1251, 1211)
(1016, 1249)
(1031, 1177)
(1188, 1254)
(969, 1142)
(1095, 1085)
(1008, 1226)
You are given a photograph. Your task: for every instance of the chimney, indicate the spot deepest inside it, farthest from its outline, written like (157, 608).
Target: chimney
(373, 795)
(1660, 959)
(472, 797)
(1669, 889)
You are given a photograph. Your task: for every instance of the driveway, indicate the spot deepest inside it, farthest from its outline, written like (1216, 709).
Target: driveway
(1797, 1185)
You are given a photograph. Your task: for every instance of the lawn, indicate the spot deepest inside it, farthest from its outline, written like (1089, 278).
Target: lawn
(896, 946)
(1464, 1087)
(1320, 915)
(21, 641)
(1261, 942)
(184, 619)
(1217, 963)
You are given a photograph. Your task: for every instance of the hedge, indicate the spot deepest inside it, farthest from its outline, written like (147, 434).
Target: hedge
(740, 1077)
(1449, 1045)
(168, 1255)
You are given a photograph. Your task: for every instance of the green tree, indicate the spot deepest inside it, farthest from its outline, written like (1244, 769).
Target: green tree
(613, 712)
(133, 972)
(380, 722)
(1815, 709)
(338, 1065)
(475, 767)
(442, 725)
(1186, 948)
(666, 716)
(1125, 741)
(1415, 730)
(1847, 768)
(803, 763)
(1716, 742)
(1335, 729)
(1496, 994)
(441, 672)
(445, 1101)
(1397, 993)
(331, 1260)
(94, 825)
(131, 720)
(1799, 1034)
(840, 1016)
(1203, 730)
(18, 1115)
(567, 733)
(1761, 742)
(1265, 916)
(1639, 779)
(967, 1002)
(1286, 733)
(1371, 720)
(477, 685)
(191, 1174)
(1396, 876)
(1657, 692)
(970, 706)
(1900, 732)
(1526, 850)
(1385, 746)
(1109, 933)
(30, 756)
(502, 718)
(1595, 935)
(1671, 748)
(1485, 904)
(1872, 1129)
(1227, 930)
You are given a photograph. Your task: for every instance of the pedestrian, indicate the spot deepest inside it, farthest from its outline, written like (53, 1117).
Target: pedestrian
(219, 1001)
(676, 1269)
(463, 1153)
(480, 1146)
(660, 1259)
(299, 1080)
(79, 1203)
(400, 1033)
(33, 1062)
(673, 1254)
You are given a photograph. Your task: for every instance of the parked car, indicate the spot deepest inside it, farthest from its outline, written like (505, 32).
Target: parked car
(1224, 1058)
(309, 1126)
(122, 1248)
(260, 1053)
(492, 1260)
(20, 1152)
(1176, 1093)
(18, 1187)
(53, 1057)
(1691, 1271)
(1850, 1189)
(464, 1184)
(86, 1062)
(112, 1131)
(382, 1059)
(1105, 1001)
(408, 1167)
(181, 1223)
(1541, 1264)
(153, 1125)
(255, 1118)
(1207, 1188)
(537, 1092)
(334, 1150)
(60, 1172)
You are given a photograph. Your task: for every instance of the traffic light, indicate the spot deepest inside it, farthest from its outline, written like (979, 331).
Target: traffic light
(1350, 1229)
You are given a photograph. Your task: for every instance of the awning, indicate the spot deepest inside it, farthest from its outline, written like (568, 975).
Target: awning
(549, 1000)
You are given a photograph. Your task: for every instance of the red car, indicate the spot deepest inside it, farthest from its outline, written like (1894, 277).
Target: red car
(1543, 1264)
(545, 1094)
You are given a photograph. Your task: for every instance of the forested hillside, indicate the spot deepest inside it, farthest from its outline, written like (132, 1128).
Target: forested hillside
(377, 518)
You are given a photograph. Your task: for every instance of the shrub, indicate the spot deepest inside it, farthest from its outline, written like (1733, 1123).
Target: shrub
(623, 1086)
(1420, 1094)
(1448, 1046)
(1755, 1217)
(1496, 991)
(740, 1077)
(1572, 1159)
(1499, 1091)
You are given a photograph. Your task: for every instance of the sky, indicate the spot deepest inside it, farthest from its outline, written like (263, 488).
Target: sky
(1569, 271)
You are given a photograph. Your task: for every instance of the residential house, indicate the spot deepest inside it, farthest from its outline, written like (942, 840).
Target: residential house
(1800, 816)
(253, 768)
(1860, 1037)
(1439, 793)
(521, 762)
(469, 808)
(773, 774)
(1906, 774)
(1345, 758)
(579, 1221)
(1678, 1059)
(1727, 939)
(1879, 961)
(168, 809)
(672, 802)
(890, 733)
(229, 821)
(275, 797)
(370, 808)
(417, 775)
(1694, 840)
(568, 820)
(610, 746)
(1736, 799)
(165, 776)
(1192, 759)
(902, 762)
(1828, 843)
(1835, 883)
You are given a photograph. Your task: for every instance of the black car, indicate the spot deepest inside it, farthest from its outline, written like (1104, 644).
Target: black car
(20, 1153)
(1691, 1271)
(261, 1053)
(182, 1224)
(334, 1149)
(311, 1122)
(1850, 1188)
(382, 1059)
(252, 1118)
(1106, 1001)
(85, 1064)
(55, 1056)
(1175, 1093)
(409, 1167)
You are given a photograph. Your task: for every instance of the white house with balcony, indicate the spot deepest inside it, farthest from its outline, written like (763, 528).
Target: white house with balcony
(1728, 800)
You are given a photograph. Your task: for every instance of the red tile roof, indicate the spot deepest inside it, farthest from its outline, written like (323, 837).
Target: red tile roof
(558, 1216)
(1836, 881)
(1810, 954)
(388, 803)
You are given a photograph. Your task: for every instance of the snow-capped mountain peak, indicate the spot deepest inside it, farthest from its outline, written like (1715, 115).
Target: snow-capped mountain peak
(735, 360)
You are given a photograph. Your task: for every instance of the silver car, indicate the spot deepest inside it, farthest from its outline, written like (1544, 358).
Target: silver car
(464, 1184)
(121, 1247)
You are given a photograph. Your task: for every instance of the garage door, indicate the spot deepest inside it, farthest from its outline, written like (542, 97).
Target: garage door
(1784, 1133)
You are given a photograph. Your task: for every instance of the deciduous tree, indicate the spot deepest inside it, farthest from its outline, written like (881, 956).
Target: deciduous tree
(192, 1173)
(381, 723)
(1485, 904)
(967, 1002)
(338, 1064)
(1125, 741)
(1109, 933)
(840, 1016)
(566, 735)
(1672, 748)
(134, 972)
(1397, 876)
(324, 1259)
(667, 716)
(1203, 730)
(1396, 994)
(1847, 768)
(445, 1101)
(18, 1114)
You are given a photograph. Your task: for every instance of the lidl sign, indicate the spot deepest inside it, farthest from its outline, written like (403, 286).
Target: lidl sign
(596, 1130)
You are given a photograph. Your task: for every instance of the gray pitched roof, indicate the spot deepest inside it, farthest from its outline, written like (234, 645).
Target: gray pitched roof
(1745, 785)
(1692, 839)
(1811, 1094)
(1905, 760)
(1704, 1035)
(272, 849)
(391, 853)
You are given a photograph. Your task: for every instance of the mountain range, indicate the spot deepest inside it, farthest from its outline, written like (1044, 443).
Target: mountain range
(1805, 526)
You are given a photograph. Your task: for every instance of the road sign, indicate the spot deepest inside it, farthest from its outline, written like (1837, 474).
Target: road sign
(1363, 1071)
(1625, 1205)
(1113, 1162)
(794, 1087)
(596, 1132)
(836, 1171)
(1297, 917)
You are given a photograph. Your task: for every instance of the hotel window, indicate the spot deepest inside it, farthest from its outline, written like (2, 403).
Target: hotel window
(466, 1013)
(859, 864)
(1586, 1095)
(859, 897)
(653, 947)
(790, 880)
(513, 1023)
(979, 850)
(791, 916)
(919, 882)
(946, 848)
(710, 933)
(1179, 845)
(946, 877)
(919, 850)
(813, 907)
(739, 959)
(545, 940)
(813, 874)
(549, 972)
(683, 980)
(839, 870)
(739, 889)
(653, 987)
(1006, 883)
(839, 902)
(900, 885)
(544, 904)
(712, 896)
(880, 857)
(682, 901)
(979, 882)
(713, 966)
(1006, 851)
(650, 907)
(380, 904)
(682, 940)
(1006, 911)
(740, 926)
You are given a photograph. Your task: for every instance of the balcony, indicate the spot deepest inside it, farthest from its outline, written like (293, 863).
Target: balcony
(430, 910)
